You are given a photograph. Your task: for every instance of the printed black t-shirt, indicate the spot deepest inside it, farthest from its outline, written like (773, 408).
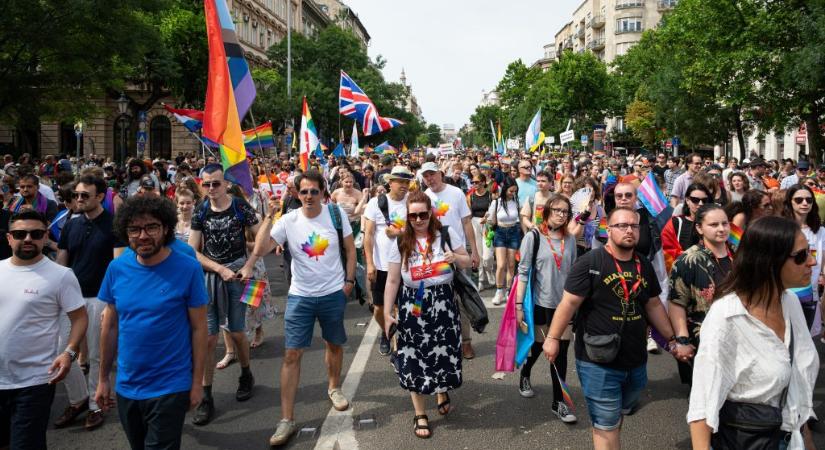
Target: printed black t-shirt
(223, 232)
(595, 278)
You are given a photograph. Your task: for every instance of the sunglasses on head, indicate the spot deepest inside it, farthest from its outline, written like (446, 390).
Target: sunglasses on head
(418, 216)
(800, 257)
(799, 200)
(19, 235)
(312, 192)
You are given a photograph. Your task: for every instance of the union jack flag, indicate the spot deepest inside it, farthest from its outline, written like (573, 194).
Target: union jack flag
(355, 104)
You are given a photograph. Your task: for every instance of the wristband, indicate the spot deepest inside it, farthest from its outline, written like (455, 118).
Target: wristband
(350, 281)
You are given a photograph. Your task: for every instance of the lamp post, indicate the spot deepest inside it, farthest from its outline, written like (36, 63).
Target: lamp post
(78, 132)
(122, 106)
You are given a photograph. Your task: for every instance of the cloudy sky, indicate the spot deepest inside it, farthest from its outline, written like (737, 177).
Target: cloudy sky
(451, 50)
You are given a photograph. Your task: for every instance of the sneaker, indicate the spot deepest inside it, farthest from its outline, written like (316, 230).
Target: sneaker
(71, 413)
(339, 402)
(524, 388)
(284, 431)
(497, 300)
(204, 412)
(652, 346)
(245, 384)
(94, 419)
(384, 347)
(563, 412)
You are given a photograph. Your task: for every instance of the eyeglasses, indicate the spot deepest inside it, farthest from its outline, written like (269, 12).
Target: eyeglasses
(476, 181)
(697, 200)
(211, 184)
(800, 257)
(418, 216)
(153, 229)
(625, 226)
(559, 212)
(83, 195)
(799, 200)
(19, 235)
(627, 195)
(802, 170)
(312, 192)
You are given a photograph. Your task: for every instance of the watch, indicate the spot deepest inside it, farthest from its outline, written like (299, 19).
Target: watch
(350, 281)
(72, 354)
(682, 340)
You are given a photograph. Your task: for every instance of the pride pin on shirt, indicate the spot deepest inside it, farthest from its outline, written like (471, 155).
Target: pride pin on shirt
(315, 246)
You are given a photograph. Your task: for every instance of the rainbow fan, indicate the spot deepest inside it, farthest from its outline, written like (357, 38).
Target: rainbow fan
(315, 246)
(440, 208)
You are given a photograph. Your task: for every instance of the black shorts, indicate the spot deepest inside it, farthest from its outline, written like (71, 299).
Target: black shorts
(378, 288)
(542, 315)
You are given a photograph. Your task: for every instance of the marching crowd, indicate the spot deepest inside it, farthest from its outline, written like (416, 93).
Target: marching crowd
(119, 281)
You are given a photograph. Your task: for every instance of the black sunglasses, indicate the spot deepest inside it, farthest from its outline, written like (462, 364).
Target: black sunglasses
(621, 195)
(312, 192)
(213, 184)
(697, 200)
(83, 195)
(799, 200)
(418, 216)
(19, 235)
(800, 257)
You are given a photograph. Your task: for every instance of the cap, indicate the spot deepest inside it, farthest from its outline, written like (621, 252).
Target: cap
(803, 164)
(429, 167)
(147, 183)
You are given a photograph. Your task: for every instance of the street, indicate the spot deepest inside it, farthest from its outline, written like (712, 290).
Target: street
(488, 413)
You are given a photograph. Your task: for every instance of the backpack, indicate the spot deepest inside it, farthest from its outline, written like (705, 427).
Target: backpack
(384, 206)
(204, 207)
(339, 228)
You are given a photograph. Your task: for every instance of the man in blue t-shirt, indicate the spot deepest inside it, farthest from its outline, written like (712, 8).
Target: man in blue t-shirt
(160, 328)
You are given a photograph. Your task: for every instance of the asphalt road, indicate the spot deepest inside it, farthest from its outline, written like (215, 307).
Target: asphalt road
(488, 413)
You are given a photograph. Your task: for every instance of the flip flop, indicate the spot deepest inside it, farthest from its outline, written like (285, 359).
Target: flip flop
(227, 361)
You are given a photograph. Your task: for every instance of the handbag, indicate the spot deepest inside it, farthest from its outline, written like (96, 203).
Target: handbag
(603, 348)
(466, 291)
(751, 425)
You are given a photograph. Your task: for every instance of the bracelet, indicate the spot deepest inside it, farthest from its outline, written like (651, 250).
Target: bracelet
(553, 338)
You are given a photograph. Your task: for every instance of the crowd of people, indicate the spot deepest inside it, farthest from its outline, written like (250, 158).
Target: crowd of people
(138, 270)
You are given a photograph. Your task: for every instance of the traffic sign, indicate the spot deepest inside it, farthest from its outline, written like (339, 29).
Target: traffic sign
(567, 136)
(584, 139)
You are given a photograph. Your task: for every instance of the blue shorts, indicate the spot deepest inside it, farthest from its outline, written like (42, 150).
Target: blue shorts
(231, 315)
(609, 393)
(301, 313)
(508, 237)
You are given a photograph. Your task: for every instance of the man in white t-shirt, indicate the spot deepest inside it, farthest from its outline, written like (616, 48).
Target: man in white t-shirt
(37, 292)
(320, 286)
(384, 220)
(450, 206)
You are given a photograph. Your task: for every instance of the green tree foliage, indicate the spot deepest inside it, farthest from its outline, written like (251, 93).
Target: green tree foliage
(641, 118)
(478, 134)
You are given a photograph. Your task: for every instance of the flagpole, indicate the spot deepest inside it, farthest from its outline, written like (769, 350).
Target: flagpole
(203, 144)
(260, 149)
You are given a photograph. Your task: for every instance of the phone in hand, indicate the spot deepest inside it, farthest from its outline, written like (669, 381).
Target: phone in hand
(393, 329)
(523, 326)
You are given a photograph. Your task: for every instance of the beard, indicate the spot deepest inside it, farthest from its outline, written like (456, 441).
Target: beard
(148, 250)
(27, 253)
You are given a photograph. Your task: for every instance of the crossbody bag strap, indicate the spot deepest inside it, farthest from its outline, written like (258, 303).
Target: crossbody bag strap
(784, 397)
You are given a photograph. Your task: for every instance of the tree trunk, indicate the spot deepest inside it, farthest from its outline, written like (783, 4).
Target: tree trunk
(740, 135)
(814, 134)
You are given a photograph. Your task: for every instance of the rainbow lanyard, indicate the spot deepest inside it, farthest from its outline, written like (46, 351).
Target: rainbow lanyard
(557, 257)
(419, 300)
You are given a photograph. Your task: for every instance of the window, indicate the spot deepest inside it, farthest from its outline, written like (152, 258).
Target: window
(629, 25)
(160, 138)
(623, 47)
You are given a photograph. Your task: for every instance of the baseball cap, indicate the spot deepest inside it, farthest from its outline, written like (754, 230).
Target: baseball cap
(803, 165)
(429, 167)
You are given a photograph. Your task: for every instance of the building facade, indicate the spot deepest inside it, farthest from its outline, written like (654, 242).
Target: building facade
(410, 102)
(343, 16)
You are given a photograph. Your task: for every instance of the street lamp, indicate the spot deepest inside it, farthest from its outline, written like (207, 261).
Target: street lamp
(122, 106)
(78, 132)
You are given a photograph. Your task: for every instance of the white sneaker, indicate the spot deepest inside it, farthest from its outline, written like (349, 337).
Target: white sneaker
(524, 388)
(652, 346)
(339, 402)
(563, 412)
(497, 298)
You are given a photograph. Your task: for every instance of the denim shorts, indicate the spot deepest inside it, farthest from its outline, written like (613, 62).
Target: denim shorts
(609, 393)
(231, 316)
(509, 237)
(301, 313)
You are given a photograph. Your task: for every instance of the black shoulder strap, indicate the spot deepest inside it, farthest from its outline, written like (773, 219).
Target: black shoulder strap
(339, 228)
(445, 238)
(384, 206)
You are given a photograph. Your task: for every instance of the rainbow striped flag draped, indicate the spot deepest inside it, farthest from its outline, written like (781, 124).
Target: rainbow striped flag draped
(259, 137)
(229, 93)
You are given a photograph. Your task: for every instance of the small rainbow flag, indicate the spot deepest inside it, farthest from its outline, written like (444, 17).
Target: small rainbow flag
(565, 391)
(442, 268)
(419, 300)
(253, 292)
(602, 231)
(259, 137)
(735, 236)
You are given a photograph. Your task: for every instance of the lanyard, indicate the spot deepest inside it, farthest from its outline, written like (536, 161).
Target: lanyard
(424, 251)
(622, 278)
(557, 257)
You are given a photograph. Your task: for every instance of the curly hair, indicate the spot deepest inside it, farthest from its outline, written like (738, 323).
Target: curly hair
(160, 208)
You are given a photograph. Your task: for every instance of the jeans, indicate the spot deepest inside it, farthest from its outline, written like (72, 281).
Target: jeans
(24, 417)
(154, 423)
(231, 315)
(610, 392)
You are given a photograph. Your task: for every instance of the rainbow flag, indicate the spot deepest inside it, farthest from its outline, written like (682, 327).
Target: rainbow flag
(735, 236)
(565, 391)
(385, 147)
(309, 137)
(260, 137)
(805, 294)
(253, 293)
(602, 231)
(229, 93)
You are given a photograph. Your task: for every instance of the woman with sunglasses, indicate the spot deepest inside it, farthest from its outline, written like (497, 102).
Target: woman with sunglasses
(479, 200)
(680, 233)
(693, 280)
(756, 354)
(553, 261)
(504, 215)
(800, 206)
(428, 356)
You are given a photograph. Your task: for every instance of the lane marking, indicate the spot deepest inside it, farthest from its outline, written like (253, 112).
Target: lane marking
(337, 431)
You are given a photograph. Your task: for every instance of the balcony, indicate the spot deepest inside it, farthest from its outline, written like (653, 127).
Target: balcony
(580, 33)
(665, 5)
(596, 44)
(597, 22)
(568, 43)
(629, 30)
(627, 4)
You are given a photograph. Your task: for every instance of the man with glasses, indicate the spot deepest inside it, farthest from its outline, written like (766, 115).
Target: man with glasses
(526, 184)
(218, 237)
(320, 286)
(803, 168)
(87, 246)
(37, 294)
(158, 331)
(618, 290)
(677, 194)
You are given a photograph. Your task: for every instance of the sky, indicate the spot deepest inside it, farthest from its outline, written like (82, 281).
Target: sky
(451, 50)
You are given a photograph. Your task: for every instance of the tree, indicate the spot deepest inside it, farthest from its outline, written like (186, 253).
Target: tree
(641, 118)
(479, 133)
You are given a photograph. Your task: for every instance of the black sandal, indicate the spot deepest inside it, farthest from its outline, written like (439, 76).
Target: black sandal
(422, 427)
(444, 407)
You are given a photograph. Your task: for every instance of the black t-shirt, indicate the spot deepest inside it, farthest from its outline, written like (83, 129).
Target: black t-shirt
(659, 170)
(90, 244)
(223, 232)
(645, 239)
(594, 277)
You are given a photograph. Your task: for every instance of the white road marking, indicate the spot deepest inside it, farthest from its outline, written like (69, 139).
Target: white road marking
(338, 426)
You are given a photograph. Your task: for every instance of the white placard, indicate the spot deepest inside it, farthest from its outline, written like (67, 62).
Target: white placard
(278, 190)
(550, 140)
(567, 136)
